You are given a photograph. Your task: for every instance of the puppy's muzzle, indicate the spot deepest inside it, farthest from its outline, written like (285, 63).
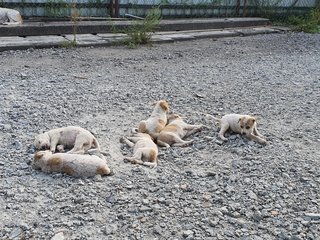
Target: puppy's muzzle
(45, 147)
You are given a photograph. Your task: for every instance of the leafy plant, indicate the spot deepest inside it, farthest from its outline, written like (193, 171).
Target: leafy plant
(309, 23)
(140, 31)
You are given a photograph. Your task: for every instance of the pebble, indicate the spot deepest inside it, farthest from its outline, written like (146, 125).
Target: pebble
(58, 236)
(187, 233)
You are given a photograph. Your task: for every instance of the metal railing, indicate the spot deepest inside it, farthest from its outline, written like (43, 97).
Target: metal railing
(59, 9)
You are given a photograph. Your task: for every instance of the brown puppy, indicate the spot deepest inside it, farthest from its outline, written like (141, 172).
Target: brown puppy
(76, 165)
(177, 129)
(77, 138)
(243, 124)
(145, 151)
(157, 121)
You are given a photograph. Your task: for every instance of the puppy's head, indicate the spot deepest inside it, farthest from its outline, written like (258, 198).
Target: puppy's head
(42, 141)
(39, 157)
(173, 117)
(247, 124)
(162, 104)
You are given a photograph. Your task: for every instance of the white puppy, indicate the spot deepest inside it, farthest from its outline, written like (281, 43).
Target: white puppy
(10, 16)
(76, 165)
(77, 138)
(177, 129)
(157, 121)
(145, 151)
(243, 124)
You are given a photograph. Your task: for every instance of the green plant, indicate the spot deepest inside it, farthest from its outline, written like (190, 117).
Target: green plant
(140, 31)
(309, 23)
(68, 44)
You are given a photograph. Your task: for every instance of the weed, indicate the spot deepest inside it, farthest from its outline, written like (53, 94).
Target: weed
(140, 31)
(309, 23)
(68, 44)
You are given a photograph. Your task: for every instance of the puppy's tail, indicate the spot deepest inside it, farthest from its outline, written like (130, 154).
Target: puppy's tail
(210, 117)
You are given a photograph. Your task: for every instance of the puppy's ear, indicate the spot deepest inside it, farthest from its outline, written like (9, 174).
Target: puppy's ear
(251, 121)
(38, 155)
(164, 105)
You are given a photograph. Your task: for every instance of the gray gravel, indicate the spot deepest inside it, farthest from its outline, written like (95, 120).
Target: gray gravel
(210, 190)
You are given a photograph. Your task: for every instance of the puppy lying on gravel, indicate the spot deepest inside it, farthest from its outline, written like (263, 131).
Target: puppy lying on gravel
(77, 138)
(157, 121)
(145, 151)
(76, 165)
(243, 124)
(10, 16)
(177, 129)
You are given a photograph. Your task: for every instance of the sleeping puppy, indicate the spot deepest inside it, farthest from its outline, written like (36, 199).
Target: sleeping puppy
(177, 129)
(157, 121)
(10, 16)
(145, 151)
(243, 124)
(76, 165)
(77, 138)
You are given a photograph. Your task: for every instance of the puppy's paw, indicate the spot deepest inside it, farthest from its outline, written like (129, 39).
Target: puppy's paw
(122, 140)
(133, 161)
(263, 142)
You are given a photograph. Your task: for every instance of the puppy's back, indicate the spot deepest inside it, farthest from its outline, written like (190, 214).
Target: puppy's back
(76, 165)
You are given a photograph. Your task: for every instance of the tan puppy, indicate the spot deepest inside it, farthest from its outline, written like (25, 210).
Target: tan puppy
(10, 16)
(157, 121)
(77, 138)
(145, 151)
(243, 124)
(177, 129)
(76, 165)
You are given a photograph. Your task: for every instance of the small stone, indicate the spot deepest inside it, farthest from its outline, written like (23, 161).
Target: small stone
(219, 142)
(58, 236)
(6, 127)
(98, 178)
(157, 230)
(187, 233)
(145, 209)
(17, 234)
(313, 216)
(252, 195)
(233, 137)
(17, 145)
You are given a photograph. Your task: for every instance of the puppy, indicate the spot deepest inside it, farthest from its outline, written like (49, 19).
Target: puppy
(157, 121)
(10, 16)
(76, 165)
(145, 151)
(177, 129)
(77, 138)
(243, 124)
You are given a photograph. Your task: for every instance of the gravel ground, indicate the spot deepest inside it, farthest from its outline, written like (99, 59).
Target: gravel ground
(210, 190)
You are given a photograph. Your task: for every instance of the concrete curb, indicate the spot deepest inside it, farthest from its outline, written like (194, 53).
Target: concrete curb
(95, 27)
(108, 39)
